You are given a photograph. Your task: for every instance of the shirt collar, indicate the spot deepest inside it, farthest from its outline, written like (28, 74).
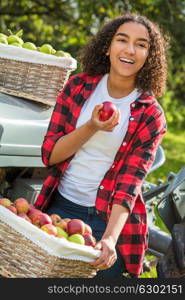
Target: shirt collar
(144, 98)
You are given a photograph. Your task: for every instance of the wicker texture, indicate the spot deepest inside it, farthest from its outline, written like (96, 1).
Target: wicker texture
(21, 258)
(38, 82)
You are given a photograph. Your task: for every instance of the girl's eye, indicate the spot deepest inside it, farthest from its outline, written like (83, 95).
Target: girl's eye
(122, 40)
(142, 45)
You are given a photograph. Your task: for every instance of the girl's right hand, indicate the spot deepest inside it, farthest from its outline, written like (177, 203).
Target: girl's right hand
(108, 125)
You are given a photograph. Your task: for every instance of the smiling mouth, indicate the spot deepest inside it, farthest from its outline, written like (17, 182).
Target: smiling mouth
(127, 61)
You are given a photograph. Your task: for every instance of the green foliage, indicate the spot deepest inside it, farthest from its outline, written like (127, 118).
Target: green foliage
(174, 109)
(68, 24)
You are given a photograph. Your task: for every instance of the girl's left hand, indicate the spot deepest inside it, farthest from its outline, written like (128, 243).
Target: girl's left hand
(108, 254)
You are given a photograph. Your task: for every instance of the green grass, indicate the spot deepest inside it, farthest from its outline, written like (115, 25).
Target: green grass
(174, 148)
(151, 274)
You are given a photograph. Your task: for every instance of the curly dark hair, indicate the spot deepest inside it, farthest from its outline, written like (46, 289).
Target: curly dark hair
(152, 76)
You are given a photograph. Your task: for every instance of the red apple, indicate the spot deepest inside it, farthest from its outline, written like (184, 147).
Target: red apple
(107, 110)
(12, 209)
(89, 240)
(33, 212)
(41, 219)
(22, 205)
(5, 202)
(75, 226)
(88, 229)
(50, 229)
(55, 219)
(24, 216)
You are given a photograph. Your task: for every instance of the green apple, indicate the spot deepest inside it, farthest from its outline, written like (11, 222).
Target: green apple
(3, 40)
(16, 44)
(29, 45)
(76, 238)
(3, 35)
(61, 232)
(60, 53)
(67, 54)
(14, 39)
(47, 48)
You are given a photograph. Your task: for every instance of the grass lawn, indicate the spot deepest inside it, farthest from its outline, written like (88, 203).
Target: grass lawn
(174, 148)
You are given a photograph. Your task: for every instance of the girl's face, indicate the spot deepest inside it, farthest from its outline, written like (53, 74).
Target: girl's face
(128, 50)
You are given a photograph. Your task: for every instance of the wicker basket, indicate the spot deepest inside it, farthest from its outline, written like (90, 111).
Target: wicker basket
(38, 80)
(22, 258)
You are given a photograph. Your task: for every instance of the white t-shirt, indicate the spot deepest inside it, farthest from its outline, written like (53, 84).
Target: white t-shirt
(86, 170)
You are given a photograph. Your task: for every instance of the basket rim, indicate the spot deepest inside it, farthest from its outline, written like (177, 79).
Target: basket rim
(27, 259)
(26, 55)
(49, 243)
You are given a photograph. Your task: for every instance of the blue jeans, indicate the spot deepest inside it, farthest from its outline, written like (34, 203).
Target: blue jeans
(68, 209)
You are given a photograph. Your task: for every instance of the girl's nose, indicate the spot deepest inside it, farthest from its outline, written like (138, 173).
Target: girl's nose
(130, 49)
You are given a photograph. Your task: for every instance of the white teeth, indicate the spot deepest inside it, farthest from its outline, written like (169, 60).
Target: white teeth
(126, 60)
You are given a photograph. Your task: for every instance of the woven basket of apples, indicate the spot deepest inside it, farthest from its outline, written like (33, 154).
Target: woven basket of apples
(37, 245)
(31, 72)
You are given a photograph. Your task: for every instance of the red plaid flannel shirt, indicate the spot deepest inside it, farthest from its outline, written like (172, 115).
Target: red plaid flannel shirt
(122, 182)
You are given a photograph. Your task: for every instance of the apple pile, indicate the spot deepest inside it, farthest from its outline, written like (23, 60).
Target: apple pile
(74, 230)
(16, 40)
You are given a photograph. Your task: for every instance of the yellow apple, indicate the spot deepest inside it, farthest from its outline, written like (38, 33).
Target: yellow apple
(76, 238)
(61, 232)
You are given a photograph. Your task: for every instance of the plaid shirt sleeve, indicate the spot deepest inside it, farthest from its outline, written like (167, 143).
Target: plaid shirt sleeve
(56, 128)
(138, 162)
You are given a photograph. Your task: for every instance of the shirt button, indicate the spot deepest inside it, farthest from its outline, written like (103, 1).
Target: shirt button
(131, 119)
(124, 143)
(101, 187)
(113, 166)
(133, 105)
